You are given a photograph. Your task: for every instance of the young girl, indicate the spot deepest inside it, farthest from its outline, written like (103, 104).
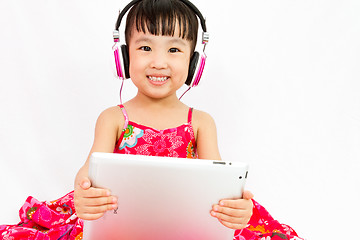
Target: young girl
(161, 37)
(159, 57)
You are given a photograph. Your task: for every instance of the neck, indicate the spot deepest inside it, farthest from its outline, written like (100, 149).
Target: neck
(154, 103)
(157, 113)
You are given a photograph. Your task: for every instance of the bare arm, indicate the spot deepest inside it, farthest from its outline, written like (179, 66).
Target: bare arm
(106, 130)
(232, 213)
(90, 202)
(206, 137)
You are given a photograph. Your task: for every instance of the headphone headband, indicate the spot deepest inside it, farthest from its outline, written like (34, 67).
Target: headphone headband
(123, 12)
(205, 35)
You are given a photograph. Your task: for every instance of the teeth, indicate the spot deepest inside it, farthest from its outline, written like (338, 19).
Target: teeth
(158, 79)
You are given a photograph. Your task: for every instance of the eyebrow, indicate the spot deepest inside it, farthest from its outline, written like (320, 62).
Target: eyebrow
(178, 40)
(142, 39)
(172, 41)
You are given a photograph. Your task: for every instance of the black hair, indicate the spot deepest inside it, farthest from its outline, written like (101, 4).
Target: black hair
(161, 17)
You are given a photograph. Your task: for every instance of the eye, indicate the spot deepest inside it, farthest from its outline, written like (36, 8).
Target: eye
(174, 50)
(145, 48)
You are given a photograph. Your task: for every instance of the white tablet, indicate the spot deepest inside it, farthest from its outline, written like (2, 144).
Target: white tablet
(163, 198)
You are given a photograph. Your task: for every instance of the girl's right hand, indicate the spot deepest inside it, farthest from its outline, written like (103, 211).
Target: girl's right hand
(91, 203)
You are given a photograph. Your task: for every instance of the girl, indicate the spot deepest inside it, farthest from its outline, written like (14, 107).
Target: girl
(161, 37)
(159, 54)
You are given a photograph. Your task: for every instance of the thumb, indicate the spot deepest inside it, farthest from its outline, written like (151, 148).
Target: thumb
(85, 183)
(247, 195)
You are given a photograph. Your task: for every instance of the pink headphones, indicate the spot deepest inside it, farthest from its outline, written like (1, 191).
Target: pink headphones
(197, 61)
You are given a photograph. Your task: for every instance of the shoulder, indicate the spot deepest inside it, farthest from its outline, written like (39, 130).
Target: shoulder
(205, 135)
(111, 114)
(107, 130)
(111, 119)
(201, 120)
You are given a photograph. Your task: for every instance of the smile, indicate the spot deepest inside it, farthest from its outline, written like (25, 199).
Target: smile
(158, 79)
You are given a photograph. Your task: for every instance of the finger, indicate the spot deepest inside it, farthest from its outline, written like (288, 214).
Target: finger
(97, 209)
(87, 216)
(85, 183)
(230, 212)
(248, 195)
(235, 203)
(99, 201)
(236, 221)
(233, 225)
(84, 206)
(96, 192)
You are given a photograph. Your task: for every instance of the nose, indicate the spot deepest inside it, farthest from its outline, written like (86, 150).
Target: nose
(159, 61)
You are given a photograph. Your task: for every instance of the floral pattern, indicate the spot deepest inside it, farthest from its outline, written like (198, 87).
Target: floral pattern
(142, 140)
(131, 135)
(49, 221)
(262, 226)
(45, 220)
(190, 151)
(160, 144)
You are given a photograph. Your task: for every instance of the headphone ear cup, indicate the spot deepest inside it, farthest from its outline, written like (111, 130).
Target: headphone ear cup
(125, 56)
(118, 60)
(192, 67)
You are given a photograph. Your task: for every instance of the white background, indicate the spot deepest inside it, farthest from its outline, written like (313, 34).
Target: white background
(282, 82)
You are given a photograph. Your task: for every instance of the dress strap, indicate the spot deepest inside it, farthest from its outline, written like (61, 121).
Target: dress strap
(124, 128)
(190, 115)
(125, 116)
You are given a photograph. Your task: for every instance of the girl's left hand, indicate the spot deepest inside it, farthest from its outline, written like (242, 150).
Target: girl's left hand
(234, 214)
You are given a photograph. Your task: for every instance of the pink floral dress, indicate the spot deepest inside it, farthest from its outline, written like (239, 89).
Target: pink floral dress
(142, 140)
(57, 219)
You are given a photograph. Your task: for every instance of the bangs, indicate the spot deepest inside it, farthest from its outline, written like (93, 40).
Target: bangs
(161, 17)
(163, 21)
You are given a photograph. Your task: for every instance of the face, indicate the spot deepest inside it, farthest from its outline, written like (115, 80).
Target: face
(158, 64)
